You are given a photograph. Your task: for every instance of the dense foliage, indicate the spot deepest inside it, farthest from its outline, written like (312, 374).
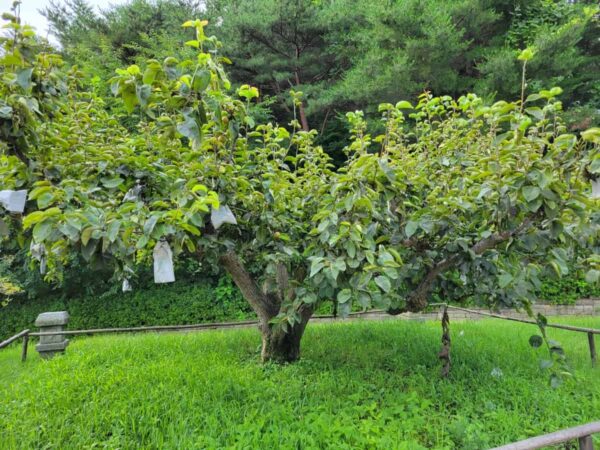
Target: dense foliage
(472, 200)
(359, 385)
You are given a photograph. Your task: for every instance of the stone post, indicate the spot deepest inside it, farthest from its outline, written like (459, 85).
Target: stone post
(52, 321)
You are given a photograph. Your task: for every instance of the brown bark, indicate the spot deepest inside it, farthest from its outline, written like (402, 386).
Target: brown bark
(284, 346)
(303, 119)
(277, 345)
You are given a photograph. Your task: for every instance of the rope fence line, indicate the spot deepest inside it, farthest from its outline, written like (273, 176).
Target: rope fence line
(516, 319)
(25, 336)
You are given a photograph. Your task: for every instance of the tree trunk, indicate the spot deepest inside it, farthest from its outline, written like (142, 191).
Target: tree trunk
(303, 119)
(277, 345)
(281, 347)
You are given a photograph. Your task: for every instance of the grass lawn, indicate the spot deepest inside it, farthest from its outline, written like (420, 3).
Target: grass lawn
(359, 385)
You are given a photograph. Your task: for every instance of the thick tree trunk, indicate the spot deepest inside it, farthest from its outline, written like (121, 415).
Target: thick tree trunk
(277, 345)
(281, 347)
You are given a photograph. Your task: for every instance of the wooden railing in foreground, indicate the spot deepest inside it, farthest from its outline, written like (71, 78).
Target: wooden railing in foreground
(582, 433)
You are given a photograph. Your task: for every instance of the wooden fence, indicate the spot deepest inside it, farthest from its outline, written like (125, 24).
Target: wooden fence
(375, 314)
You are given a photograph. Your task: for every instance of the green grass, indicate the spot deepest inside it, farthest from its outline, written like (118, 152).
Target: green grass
(359, 385)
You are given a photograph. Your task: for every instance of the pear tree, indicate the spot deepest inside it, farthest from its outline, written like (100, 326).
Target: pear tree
(455, 199)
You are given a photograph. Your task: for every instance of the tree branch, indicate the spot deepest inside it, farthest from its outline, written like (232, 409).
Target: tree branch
(264, 307)
(417, 299)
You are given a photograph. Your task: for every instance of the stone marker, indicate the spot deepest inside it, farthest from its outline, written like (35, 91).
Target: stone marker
(52, 321)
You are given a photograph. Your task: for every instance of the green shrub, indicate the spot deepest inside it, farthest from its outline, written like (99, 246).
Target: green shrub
(174, 304)
(567, 290)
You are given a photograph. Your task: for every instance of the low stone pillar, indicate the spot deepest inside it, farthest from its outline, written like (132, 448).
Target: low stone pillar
(57, 343)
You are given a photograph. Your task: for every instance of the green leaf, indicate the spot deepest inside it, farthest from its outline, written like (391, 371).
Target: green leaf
(411, 228)
(24, 77)
(201, 80)
(86, 235)
(504, 280)
(150, 224)
(88, 250)
(591, 135)
(6, 112)
(42, 230)
(142, 242)
(193, 43)
(344, 295)
(384, 283)
(248, 92)
(531, 193)
(32, 219)
(592, 276)
(315, 267)
(150, 73)
(526, 54)
(536, 341)
(45, 200)
(199, 187)
(113, 230)
(111, 182)
(546, 364)
(143, 94)
(190, 129)
(404, 105)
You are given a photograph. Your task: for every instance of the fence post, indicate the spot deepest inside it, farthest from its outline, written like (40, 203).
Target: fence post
(24, 350)
(586, 443)
(592, 348)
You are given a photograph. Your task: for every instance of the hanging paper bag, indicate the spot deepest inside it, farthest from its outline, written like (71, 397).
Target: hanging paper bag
(13, 201)
(222, 215)
(126, 285)
(596, 188)
(163, 263)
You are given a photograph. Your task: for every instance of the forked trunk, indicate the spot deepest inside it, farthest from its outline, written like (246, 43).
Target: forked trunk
(277, 345)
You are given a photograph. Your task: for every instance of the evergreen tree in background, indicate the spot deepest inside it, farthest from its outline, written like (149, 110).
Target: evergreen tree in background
(351, 54)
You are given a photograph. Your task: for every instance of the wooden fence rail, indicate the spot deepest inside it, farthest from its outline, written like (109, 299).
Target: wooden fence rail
(25, 336)
(582, 433)
(12, 339)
